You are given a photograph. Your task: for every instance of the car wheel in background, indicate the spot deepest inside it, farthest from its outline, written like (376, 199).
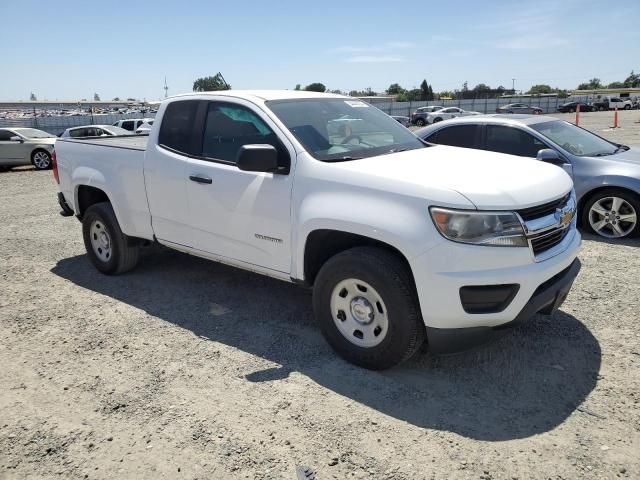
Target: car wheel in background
(601, 109)
(612, 213)
(110, 250)
(366, 305)
(41, 159)
(572, 110)
(627, 107)
(420, 122)
(437, 119)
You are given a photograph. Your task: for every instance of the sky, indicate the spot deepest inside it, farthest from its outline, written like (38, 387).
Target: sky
(72, 49)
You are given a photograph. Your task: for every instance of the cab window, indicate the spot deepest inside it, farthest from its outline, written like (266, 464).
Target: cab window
(513, 141)
(456, 136)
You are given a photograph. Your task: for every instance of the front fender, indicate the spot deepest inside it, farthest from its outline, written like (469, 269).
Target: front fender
(404, 225)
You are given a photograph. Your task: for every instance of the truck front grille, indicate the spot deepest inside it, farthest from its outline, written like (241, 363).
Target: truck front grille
(540, 211)
(547, 241)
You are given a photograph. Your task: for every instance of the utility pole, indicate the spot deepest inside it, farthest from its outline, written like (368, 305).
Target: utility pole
(513, 85)
(166, 88)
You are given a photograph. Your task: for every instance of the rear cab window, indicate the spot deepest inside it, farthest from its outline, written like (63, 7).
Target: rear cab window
(177, 127)
(464, 136)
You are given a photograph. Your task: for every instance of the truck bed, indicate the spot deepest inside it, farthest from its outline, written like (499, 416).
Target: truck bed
(129, 142)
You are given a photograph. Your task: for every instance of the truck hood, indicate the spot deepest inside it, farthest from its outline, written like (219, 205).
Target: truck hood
(488, 180)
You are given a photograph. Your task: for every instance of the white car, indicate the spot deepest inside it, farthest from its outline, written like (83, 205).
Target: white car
(131, 124)
(94, 131)
(145, 127)
(447, 113)
(400, 241)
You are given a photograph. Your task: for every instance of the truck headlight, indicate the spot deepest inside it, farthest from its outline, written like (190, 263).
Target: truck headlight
(499, 229)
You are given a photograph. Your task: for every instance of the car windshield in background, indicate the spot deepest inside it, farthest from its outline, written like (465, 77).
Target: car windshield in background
(335, 129)
(33, 133)
(574, 139)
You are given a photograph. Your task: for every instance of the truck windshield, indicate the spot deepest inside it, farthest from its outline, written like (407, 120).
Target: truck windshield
(337, 129)
(574, 139)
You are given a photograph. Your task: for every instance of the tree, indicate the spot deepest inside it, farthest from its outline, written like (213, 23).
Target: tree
(132, 99)
(539, 89)
(592, 84)
(116, 99)
(395, 89)
(632, 81)
(616, 85)
(96, 97)
(33, 97)
(315, 87)
(297, 86)
(424, 90)
(211, 84)
(465, 86)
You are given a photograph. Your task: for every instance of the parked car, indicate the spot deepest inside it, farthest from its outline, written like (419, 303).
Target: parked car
(131, 124)
(612, 103)
(24, 146)
(571, 107)
(419, 117)
(94, 131)
(145, 127)
(399, 240)
(406, 121)
(606, 175)
(448, 113)
(519, 108)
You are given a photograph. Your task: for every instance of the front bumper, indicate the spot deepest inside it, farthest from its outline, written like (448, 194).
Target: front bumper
(546, 299)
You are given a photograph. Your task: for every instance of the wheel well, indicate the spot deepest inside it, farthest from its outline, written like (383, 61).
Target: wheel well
(88, 196)
(321, 245)
(585, 198)
(36, 150)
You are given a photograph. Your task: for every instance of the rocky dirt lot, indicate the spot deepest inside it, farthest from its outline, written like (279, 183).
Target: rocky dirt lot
(186, 369)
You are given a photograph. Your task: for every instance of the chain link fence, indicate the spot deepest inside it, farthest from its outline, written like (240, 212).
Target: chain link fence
(57, 124)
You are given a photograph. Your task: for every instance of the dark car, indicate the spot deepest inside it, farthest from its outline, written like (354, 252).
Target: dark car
(606, 175)
(406, 121)
(571, 107)
(519, 108)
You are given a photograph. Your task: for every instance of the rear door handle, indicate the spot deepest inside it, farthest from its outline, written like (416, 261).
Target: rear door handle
(200, 179)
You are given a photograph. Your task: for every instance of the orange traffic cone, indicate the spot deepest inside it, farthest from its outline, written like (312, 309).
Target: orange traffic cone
(615, 118)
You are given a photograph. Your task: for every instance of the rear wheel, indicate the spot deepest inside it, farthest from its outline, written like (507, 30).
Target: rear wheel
(110, 250)
(420, 122)
(437, 119)
(41, 159)
(612, 214)
(627, 107)
(572, 110)
(365, 303)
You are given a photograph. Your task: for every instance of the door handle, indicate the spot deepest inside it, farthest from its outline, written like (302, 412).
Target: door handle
(200, 179)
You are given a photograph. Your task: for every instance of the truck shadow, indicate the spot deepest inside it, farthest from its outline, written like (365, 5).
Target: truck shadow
(526, 383)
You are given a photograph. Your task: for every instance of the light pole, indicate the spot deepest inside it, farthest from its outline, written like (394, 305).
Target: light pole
(513, 85)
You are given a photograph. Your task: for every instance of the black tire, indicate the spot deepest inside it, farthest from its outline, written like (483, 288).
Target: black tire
(633, 200)
(124, 249)
(572, 110)
(389, 276)
(601, 109)
(627, 107)
(420, 122)
(437, 119)
(45, 164)
(5, 168)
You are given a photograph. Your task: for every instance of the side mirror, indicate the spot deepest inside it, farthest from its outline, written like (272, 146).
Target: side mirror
(550, 156)
(258, 158)
(17, 139)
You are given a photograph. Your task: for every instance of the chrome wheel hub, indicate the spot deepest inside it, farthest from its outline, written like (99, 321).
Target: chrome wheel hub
(100, 241)
(612, 217)
(359, 313)
(41, 160)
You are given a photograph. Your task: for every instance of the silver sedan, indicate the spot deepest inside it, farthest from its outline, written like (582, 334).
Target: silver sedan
(24, 146)
(606, 175)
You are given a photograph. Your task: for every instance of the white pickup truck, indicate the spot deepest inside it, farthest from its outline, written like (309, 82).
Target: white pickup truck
(400, 240)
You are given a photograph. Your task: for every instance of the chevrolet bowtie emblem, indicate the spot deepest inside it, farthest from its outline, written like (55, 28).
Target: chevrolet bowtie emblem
(564, 216)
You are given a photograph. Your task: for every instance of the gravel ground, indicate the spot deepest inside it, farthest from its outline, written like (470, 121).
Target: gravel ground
(188, 369)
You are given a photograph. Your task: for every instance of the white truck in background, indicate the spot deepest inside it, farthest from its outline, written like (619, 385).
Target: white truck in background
(400, 240)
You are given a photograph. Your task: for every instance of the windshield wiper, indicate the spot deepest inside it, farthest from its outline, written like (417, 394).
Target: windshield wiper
(396, 150)
(621, 148)
(343, 159)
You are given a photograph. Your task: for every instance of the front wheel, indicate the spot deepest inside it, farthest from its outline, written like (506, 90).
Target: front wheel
(110, 250)
(366, 305)
(612, 214)
(437, 119)
(627, 107)
(41, 159)
(420, 122)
